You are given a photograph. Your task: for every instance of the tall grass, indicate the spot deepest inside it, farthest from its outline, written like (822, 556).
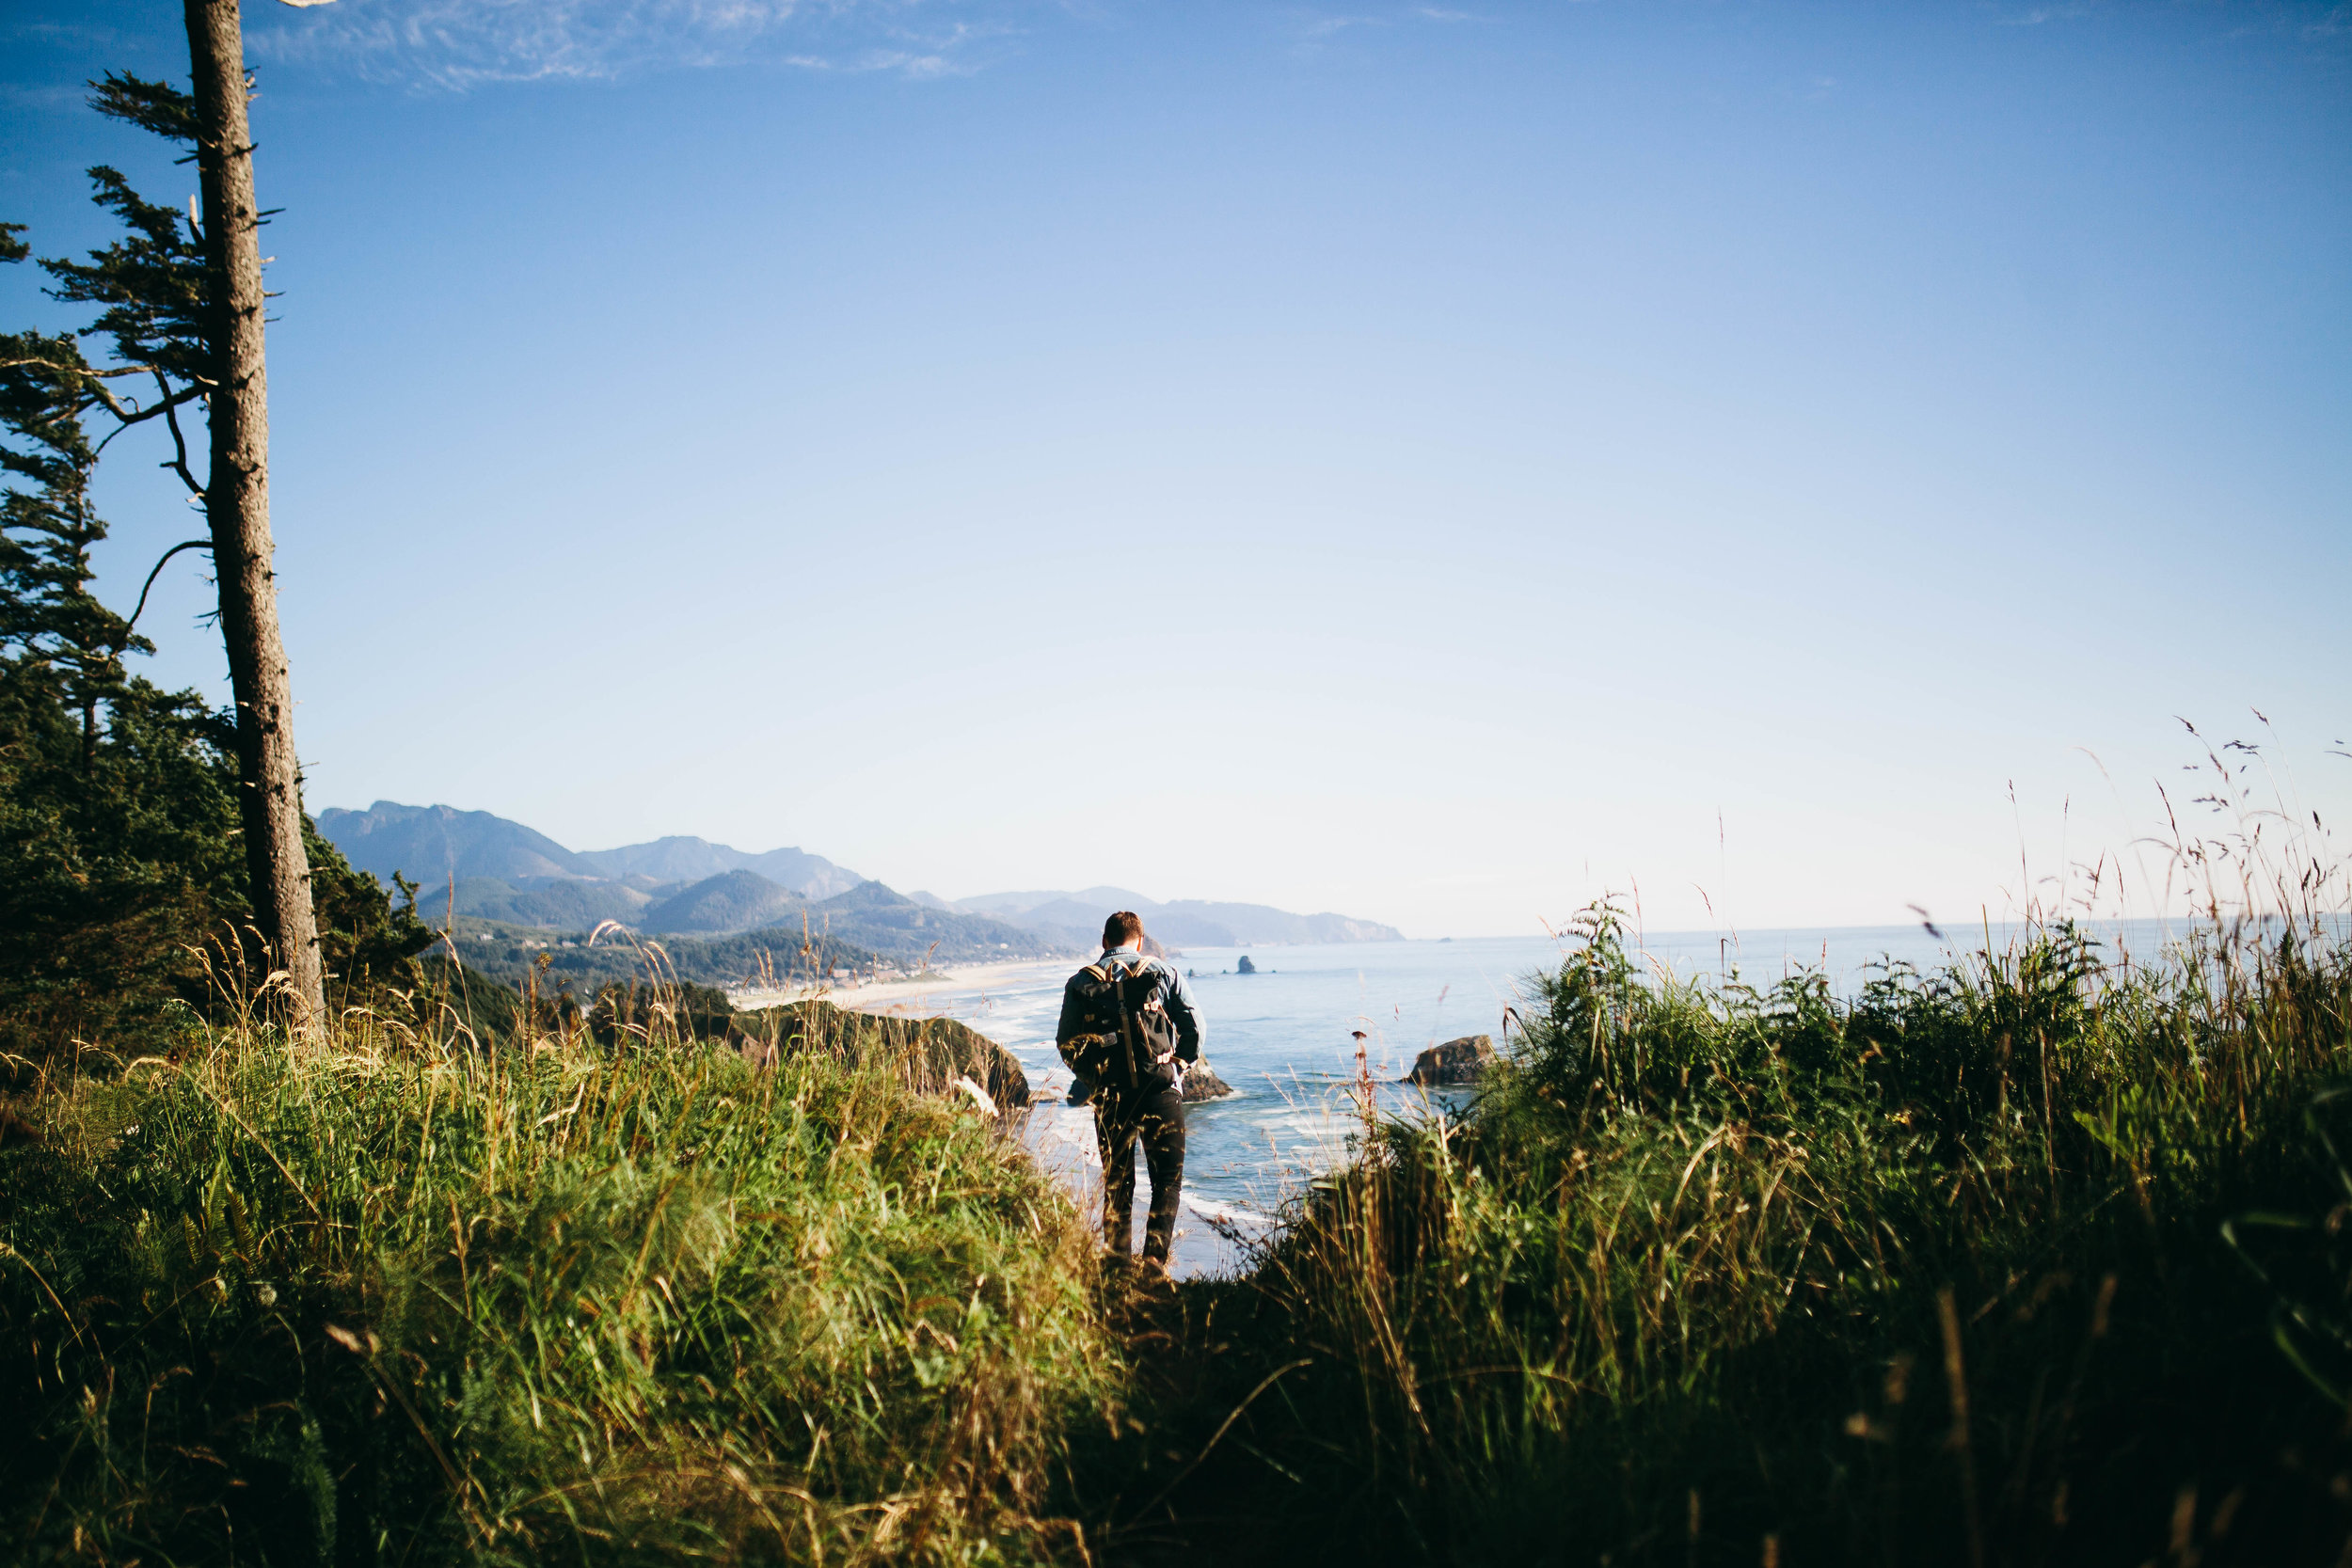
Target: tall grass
(1953, 1270)
(388, 1299)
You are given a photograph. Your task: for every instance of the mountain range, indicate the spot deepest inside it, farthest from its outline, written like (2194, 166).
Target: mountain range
(1077, 918)
(475, 866)
(692, 859)
(434, 844)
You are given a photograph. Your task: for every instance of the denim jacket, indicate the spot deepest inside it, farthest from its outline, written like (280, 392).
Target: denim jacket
(1173, 994)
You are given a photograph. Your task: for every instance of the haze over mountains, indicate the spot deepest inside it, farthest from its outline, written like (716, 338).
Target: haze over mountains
(476, 866)
(1077, 918)
(691, 860)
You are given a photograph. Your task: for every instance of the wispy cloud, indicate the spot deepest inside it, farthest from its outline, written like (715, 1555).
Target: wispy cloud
(1310, 28)
(1315, 28)
(461, 44)
(2040, 15)
(950, 51)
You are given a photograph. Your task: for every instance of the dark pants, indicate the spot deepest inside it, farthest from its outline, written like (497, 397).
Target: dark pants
(1158, 1121)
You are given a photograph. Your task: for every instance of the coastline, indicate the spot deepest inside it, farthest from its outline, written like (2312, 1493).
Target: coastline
(905, 996)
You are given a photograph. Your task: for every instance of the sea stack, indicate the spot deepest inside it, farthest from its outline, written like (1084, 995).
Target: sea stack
(1454, 1063)
(1201, 1083)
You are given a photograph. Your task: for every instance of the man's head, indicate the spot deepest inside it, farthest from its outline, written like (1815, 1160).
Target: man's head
(1121, 928)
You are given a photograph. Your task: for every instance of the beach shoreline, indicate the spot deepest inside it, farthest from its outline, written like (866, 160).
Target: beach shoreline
(906, 996)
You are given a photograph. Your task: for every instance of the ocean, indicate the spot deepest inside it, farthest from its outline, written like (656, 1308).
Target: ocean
(1284, 1038)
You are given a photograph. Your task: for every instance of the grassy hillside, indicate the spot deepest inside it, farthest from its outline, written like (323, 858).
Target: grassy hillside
(395, 1300)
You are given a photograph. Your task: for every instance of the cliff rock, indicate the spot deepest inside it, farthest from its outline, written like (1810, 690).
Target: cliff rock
(1455, 1062)
(1201, 1083)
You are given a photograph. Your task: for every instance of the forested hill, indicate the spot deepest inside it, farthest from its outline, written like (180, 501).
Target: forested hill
(729, 901)
(897, 927)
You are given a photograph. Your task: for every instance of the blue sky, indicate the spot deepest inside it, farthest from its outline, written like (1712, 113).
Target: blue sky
(1433, 463)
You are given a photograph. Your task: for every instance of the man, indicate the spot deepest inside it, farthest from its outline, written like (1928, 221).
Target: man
(1128, 1030)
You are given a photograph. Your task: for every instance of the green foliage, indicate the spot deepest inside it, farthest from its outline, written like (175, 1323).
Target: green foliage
(156, 107)
(464, 1000)
(1707, 1264)
(2303, 1257)
(369, 944)
(634, 1008)
(556, 1303)
(156, 302)
(48, 524)
(121, 846)
(118, 859)
(118, 828)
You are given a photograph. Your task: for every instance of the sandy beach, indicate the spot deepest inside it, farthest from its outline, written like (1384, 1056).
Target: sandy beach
(909, 996)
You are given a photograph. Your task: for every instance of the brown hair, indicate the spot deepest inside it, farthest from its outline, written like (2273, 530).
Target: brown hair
(1121, 928)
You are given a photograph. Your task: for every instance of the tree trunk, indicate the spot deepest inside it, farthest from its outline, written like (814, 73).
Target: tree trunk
(237, 501)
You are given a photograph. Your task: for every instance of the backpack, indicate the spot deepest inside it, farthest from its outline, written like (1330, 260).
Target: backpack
(1123, 1031)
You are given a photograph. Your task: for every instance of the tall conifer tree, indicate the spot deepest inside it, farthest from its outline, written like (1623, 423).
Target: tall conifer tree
(237, 501)
(187, 310)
